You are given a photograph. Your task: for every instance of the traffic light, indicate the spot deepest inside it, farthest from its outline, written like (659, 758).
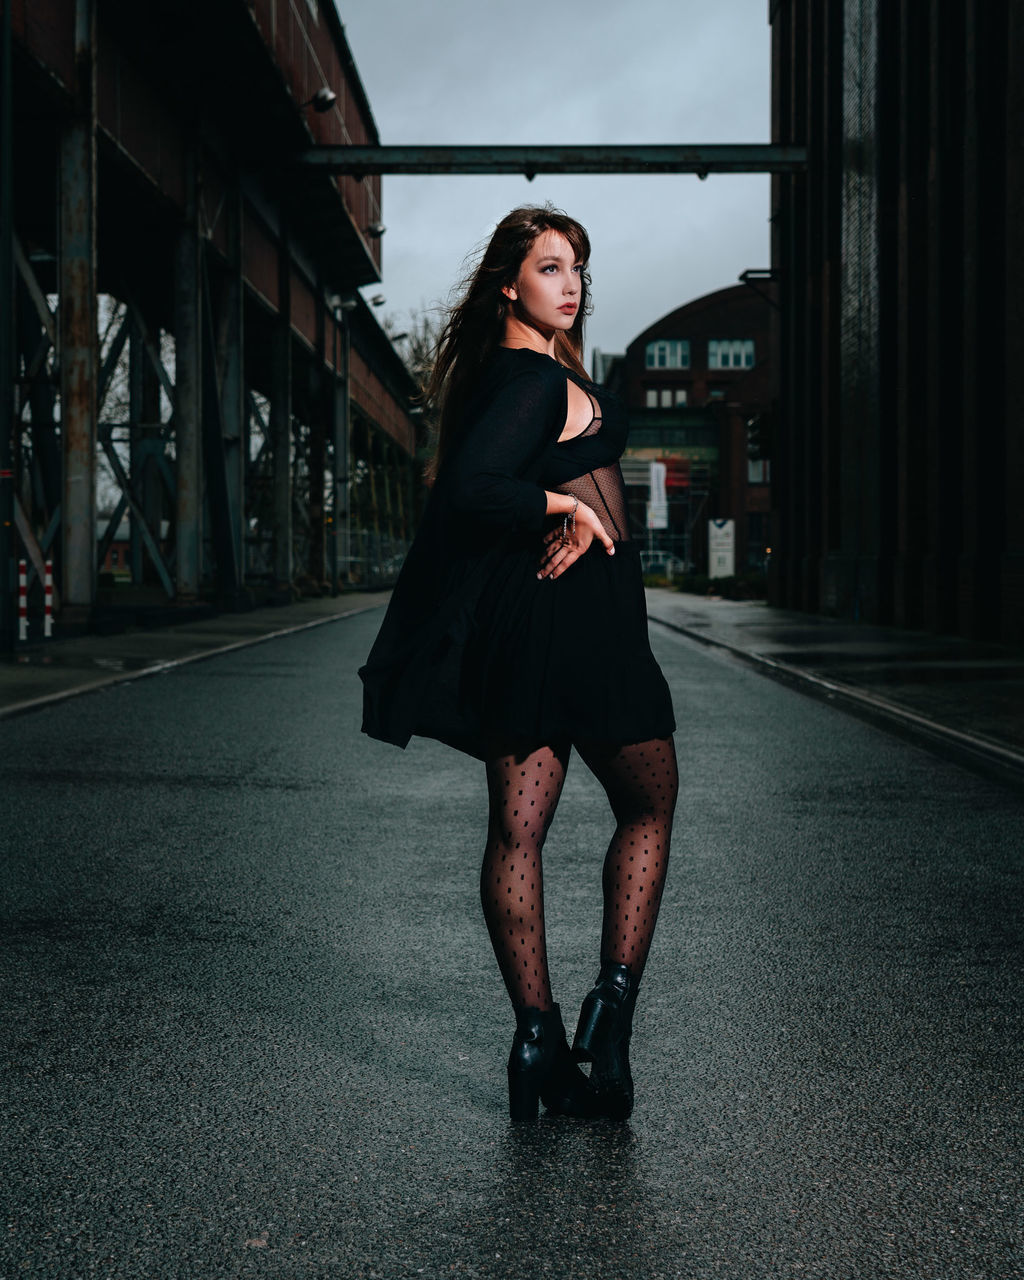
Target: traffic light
(760, 435)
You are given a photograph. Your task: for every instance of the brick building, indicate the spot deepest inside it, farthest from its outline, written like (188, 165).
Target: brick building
(700, 383)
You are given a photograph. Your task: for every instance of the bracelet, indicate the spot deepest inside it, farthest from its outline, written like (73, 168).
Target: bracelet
(569, 521)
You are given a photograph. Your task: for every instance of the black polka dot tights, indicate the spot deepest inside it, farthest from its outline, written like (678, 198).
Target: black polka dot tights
(640, 781)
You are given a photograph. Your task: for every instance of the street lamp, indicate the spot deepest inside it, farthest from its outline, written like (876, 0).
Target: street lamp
(322, 100)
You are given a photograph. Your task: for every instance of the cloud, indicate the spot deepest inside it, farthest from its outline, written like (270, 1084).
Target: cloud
(584, 71)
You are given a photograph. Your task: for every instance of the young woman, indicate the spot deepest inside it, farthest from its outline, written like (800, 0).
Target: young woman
(518, 630)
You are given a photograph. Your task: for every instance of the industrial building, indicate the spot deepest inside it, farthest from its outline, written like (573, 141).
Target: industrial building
(899, 452)
(188, 338)
(700, 385)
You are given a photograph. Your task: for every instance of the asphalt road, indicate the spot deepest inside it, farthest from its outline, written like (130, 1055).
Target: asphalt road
(251, 1025)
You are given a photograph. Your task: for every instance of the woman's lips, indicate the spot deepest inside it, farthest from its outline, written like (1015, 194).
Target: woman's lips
(568, 307)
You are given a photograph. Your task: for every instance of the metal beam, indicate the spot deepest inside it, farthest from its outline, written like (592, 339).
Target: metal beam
(701, 160)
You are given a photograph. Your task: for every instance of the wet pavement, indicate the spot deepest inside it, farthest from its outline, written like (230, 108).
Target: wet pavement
(962, 698)
(51, 670)
(251, 1026)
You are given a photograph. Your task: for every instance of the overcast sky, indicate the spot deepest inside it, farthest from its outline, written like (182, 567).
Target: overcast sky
(571, 71)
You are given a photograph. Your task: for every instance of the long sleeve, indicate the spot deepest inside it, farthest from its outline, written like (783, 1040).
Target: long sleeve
(488, 474)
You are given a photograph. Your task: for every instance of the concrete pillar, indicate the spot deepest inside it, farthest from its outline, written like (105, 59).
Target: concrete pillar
(281, 425)
(78, 327)
(188, 394)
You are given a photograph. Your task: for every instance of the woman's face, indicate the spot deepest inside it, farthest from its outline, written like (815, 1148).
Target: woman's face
(548, 290)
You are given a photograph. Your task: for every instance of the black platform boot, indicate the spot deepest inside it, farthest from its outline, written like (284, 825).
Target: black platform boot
(541, 1068)
(602, 1038)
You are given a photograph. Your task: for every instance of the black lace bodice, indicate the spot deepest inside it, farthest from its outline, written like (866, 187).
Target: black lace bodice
(587, 465)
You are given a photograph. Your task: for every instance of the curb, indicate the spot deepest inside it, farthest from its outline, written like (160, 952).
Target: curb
(984, 755)
(159, 668)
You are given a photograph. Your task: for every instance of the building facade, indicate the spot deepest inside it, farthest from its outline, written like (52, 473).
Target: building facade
(700, 387)
(216, 363)
(899, 462)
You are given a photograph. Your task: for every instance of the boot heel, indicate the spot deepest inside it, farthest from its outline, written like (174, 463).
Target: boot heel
(587, 1031)
(523, 1097)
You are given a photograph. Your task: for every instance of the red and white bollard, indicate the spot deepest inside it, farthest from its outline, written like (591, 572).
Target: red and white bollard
(22, 600)
(48, 598)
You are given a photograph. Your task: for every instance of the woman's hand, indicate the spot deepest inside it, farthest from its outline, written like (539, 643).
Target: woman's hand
(560, 554)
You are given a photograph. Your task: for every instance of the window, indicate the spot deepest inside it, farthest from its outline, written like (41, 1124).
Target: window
(666, 397)
(759, 471)
(758, 534)
(716, 393)
(680, 395)
(668, 353)
(731, 353)
(651, 398)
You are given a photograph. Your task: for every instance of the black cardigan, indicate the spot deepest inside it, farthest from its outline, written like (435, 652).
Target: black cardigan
(487, 492)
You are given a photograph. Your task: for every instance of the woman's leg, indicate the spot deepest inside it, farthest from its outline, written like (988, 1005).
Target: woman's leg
(523, 789)
(641, 782)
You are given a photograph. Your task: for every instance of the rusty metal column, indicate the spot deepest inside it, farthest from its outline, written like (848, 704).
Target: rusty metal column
(188, 391)
(318, 394)
(341, 439)
(78, 327)
(281, 425)
(137, 359)
(231, 342)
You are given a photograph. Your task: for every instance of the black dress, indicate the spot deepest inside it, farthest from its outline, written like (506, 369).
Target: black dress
(475, 650)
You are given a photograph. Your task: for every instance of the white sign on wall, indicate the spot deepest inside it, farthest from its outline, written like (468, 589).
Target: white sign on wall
(657, 508)
(721, 548)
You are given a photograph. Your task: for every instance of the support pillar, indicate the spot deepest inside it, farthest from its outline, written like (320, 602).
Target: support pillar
(341, 433)
(144, 400)
(8, 604)
(79, 373)
(188, 395)
(281, 426)
(231, 344)
(137, 361)
(1011, 620)
(318, 447)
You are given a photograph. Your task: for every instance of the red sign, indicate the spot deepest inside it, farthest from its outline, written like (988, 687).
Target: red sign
(677, 474)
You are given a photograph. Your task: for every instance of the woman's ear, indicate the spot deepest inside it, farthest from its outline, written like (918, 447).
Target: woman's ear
(509, 290)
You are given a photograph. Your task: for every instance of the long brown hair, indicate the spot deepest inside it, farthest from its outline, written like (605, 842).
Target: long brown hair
(476, 323)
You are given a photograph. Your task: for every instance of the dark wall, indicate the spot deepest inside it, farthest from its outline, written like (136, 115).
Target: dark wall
(898, 472)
